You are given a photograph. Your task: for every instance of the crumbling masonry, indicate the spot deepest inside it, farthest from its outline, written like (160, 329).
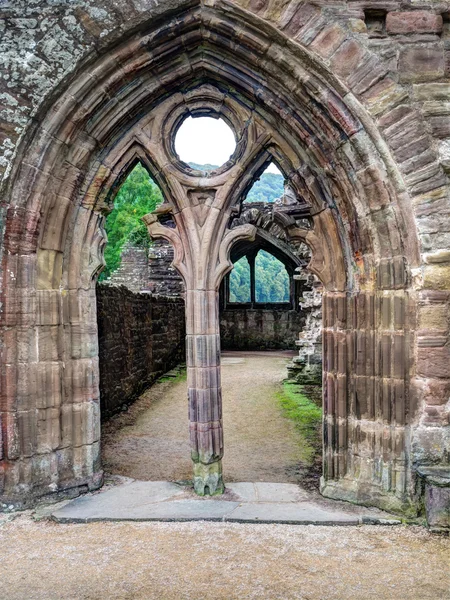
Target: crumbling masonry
(350, 100)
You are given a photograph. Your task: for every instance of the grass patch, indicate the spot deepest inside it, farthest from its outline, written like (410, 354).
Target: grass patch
(174, 376)
(305, 414)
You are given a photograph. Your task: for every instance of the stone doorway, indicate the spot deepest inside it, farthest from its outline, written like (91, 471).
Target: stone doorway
(339, 138)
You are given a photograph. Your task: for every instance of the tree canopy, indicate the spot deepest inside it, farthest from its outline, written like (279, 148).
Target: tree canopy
(137, 196)
(240, 281)
(268, 188)
(271, 280)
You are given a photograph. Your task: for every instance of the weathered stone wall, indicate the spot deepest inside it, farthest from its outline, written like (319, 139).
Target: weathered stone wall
(140, 337)
(353, 99)
(133, 269)
(307, 366)
(148, 270)
(260, 328)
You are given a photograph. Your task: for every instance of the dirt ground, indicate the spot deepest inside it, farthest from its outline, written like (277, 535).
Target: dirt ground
(44, 560)
(150, 441)
(214, 561)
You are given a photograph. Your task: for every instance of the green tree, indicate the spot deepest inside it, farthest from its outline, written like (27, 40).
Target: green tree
(137, 196)
(240, 281)
(271, 279)
(268, 188)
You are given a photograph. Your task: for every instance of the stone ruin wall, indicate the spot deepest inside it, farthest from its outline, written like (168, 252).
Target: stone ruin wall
(148, 270)
(391, 61)
(143, 270)
(307, 366)
(140, 336)
(260, 328)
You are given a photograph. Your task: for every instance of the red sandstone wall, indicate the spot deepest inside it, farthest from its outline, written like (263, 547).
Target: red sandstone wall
(140, 338)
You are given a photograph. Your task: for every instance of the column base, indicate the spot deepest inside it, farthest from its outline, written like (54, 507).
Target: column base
(208, 479)
(366, 493)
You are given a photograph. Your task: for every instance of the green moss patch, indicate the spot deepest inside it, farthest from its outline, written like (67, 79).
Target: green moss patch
(306, 416)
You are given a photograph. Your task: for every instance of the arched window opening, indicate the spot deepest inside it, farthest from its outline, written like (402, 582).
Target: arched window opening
(240, 282)
(272, 284)
(204, 143)
(258, 279)
(138, 195)
(268, 188)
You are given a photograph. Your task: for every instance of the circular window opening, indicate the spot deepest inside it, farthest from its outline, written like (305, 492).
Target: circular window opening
(204, 143)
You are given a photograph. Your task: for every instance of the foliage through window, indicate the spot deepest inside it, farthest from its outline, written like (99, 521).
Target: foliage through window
(269, 186)
(272, 283)
(137, 196)
(240, 281)
(271, 279)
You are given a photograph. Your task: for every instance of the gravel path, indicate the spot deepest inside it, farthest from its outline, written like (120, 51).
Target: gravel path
(44, 560)
(150, 441)
(192, 561)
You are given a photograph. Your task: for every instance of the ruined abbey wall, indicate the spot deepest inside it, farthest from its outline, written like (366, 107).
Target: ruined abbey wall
(240, 328)
(352, 98)
(260, 328)
(140, 337)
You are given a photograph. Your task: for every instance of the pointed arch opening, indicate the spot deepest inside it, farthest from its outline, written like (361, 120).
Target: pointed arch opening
(341, 167)
(268, 187)
(137, 196)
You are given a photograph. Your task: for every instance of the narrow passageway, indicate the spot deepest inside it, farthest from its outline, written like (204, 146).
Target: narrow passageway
(150, 440)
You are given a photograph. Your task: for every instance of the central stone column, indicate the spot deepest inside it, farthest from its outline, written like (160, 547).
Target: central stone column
(202, 246)
(204, 389)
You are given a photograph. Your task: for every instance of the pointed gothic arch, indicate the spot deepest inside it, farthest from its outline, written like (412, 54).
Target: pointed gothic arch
(290, 108)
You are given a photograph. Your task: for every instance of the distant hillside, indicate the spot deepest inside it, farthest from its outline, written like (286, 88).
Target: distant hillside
(268, 188)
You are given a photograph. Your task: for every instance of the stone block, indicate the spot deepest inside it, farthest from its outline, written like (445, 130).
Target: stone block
(440, 126)
(383, 96)
(437, 277)
(427, 91)
(375, 189)
(304, 13)
(437, 496)
(421, 63)
(50, 343)
(346, 59)
(434, 362)
(48, 390)
(418, 21)
(49, 307)
(48, 430)
(433, 392)
(328, 40)
(49, 269)
(434, 316)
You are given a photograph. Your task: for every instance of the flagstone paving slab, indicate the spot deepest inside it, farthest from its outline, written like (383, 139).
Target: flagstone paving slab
(244, 502)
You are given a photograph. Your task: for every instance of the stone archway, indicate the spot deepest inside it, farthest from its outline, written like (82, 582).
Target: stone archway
(336, 158)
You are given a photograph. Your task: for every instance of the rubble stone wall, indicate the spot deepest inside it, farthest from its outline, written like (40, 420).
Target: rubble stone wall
(260, 328)
(140, 337)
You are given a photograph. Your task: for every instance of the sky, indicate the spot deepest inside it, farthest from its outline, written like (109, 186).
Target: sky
(205, 140)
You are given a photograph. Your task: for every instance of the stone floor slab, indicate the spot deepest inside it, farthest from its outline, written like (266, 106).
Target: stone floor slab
(302, 513)
(164, 501)
(279, 492)
(243, 491)
(175, 510)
